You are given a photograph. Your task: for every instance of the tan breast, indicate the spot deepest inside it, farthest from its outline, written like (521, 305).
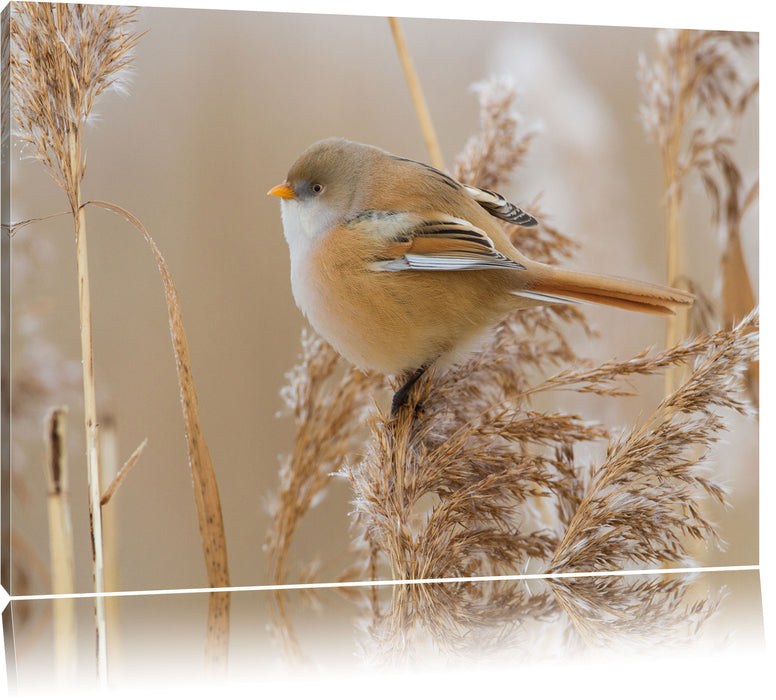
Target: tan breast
(395, 321)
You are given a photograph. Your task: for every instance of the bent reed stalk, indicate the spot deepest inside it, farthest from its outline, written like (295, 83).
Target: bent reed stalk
(62, 58)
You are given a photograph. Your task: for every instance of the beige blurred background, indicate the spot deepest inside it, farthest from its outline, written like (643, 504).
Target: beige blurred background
(219, 105)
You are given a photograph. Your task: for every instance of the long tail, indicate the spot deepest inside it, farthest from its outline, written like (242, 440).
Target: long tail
(551, 284)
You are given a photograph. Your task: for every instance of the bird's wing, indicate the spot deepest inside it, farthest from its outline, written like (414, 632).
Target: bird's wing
(441, 243)
(496, 205)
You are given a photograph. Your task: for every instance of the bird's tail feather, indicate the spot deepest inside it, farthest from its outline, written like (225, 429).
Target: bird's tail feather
(557, 285)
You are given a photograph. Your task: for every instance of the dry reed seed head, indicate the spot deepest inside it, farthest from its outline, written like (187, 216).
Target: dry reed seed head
(694, 94)
(703, 316)
(613, 612)
(62, 57)
(329, 402)
(605, 378)
(470, 619)
(479, 476)
(717, 376)
(644, 499)
(5, 81)
(489, 158)
(526, 342)
(484, 619)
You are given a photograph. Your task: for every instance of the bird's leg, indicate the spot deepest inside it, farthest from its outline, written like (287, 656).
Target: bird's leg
(400, 397)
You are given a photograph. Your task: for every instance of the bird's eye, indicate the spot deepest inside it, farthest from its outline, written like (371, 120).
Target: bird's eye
(317, 188)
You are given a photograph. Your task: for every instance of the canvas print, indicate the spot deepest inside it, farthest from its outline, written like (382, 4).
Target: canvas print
(335, 341)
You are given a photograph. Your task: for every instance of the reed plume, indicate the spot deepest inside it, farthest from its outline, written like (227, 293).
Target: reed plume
(643, 500)
(327, 401)
(570, 618)
(643, 613)
(478, 482)
(694, 95)
(62, 58)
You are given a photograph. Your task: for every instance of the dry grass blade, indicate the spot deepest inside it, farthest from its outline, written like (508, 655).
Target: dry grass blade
(211, 525)
(122, 473)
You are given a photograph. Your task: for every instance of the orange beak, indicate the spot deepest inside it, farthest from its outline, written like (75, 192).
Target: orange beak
(285, 191)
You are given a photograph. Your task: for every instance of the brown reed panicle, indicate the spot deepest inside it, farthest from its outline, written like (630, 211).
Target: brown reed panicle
(631, 612)
(639, 506)
(694, 95)
(490, 156)
(89, 49)
(450, 490)
(328, 402)
(643, 500)
(579, 616)
(475, 454)
(476, 619)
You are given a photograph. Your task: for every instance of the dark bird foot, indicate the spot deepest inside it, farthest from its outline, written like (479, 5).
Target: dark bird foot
(401, 397)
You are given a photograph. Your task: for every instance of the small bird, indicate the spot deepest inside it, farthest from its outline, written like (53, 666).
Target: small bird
(397, 265)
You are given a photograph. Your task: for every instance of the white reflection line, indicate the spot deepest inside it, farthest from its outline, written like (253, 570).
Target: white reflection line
(398, 582)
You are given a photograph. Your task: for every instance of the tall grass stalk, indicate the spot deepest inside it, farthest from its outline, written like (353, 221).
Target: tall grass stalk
(416, 92)
(61, 545)
(62, 58)
(110, 470)
(694, 95)
(93, 472)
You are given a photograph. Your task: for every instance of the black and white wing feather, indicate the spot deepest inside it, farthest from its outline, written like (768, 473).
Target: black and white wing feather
(444, 243)
(499, 207)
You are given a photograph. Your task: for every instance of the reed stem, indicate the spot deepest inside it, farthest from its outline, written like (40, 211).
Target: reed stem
(110, 470)
(90, 408)
(61, 546)
(676, 325)
(413, 82)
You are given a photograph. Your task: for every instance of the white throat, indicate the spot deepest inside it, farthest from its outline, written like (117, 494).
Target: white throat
(304, 223)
